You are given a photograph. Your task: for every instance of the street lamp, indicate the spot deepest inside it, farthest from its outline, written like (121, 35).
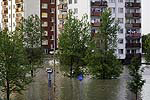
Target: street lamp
(49, 72)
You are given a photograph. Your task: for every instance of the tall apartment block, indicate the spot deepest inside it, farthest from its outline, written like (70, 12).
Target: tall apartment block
(12, 13)
(128, 12)
(14, 10)
(46, 10)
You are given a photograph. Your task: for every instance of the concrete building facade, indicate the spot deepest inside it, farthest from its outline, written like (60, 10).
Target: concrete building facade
(127, 12)
(14, 10)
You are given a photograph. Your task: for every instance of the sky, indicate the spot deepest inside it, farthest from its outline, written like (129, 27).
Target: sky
(145, 16)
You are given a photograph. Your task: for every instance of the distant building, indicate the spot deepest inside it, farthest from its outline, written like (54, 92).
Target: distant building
(14, 10)
(128, 12)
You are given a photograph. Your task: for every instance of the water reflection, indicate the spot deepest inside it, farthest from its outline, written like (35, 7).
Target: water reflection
(94, 89)
(88, 89)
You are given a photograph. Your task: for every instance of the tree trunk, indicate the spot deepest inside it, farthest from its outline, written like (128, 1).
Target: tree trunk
(136, 96)
(31, 72)
(71, 68)
(8, 91)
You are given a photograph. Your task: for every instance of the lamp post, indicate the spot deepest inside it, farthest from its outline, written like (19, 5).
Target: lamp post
(49, 72)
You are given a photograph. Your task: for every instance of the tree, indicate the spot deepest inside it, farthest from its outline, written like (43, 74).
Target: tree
(103, 63)
(146, 47)
(136, 82)
(73, 44)
(13, 63)
(31, 27)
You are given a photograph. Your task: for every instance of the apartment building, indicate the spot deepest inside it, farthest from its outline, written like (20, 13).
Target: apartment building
(14, 10)
(0, 15)
(128, 12)
(12, 13)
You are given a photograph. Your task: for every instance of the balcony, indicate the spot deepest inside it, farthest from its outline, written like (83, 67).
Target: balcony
(5, 11)
(94, 13)
(19, 1)
(62, 16)
(133, 15)
(131, 55)
(133, 45)
(60, 26)
(5, 20)
(132, 5)
(4, 3)
(99, 3)
(62, 7)
(133, 36)
(133, 25)
(95, 24)
(19, 9)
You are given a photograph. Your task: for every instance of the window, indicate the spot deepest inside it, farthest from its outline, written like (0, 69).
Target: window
(52, 19)
(44, 15)
(120, 10)
(44, 5)
(75, 1)
(120, 41)
(113, 10)
(52, 28)
(52, 46)
(120, 51)
(121, 30)
(44, 42)
(120, 20)
(52, 10)
(111, 1)
(121, 1)
(44, 24)
(75, 10)
(45, 33)
(52, 1)
(70, 1)
(52, 37)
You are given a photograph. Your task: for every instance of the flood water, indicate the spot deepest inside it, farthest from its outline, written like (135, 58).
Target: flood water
(88, 89)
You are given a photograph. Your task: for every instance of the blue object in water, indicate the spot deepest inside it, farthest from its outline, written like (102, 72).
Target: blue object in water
(80, 77)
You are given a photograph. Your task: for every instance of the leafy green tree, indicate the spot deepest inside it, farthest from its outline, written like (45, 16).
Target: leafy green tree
(13, 63)
(146, 47)
(136, 82)
(31, 28)
(72, 43)
(103, 64)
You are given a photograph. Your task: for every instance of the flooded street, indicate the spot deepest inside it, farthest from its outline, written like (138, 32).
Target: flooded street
(88, 89)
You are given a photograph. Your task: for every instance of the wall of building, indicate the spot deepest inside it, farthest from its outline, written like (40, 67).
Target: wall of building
(31, 7)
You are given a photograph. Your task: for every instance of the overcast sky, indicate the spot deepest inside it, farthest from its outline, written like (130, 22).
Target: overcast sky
(145, 16)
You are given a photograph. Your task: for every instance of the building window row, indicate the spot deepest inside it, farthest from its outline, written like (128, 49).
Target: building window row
(71, 1)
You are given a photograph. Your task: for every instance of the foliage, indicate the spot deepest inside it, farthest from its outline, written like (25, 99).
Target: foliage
(136, 82)
(102, 62)
(146, 47)
(106, 38)
(31, 28)
(13, 63)
(72, 44)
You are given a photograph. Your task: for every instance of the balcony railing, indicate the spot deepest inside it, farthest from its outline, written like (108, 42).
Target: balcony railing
(62, 16)
(133, 45)
(94, 13)
(95, 24)
(133, 15)
(19, 1)
(132, 5)
(133, 36)
(99, 3)
(133, 25)
(131, 55)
